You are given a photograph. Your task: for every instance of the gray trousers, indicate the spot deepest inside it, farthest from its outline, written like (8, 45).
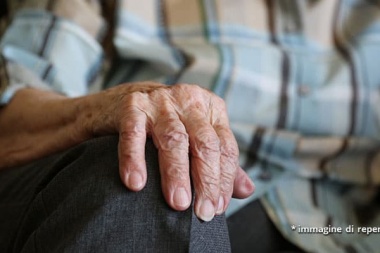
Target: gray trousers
(75, 202)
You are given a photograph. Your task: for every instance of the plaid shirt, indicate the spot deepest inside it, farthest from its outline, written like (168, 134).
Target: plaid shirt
(299, 77)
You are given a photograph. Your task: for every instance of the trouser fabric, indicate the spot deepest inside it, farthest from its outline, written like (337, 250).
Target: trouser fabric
(75, 202)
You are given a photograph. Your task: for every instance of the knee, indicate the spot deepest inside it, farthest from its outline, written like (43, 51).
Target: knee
(81, 201)
(90, 170)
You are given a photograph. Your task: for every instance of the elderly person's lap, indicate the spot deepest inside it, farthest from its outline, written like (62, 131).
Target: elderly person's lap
(76, 202)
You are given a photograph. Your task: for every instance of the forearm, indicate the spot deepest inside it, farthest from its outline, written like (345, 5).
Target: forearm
(38, 123)
(185, 121)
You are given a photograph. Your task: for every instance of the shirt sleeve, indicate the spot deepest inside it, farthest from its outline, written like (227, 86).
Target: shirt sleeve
(51, 45)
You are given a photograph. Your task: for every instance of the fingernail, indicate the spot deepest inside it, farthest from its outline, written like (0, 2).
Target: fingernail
(206, 210)
(181, 198)
(135, 181)
(220, 205)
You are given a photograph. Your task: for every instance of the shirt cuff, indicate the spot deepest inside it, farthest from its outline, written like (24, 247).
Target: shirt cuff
(15, 77)
(51, 52)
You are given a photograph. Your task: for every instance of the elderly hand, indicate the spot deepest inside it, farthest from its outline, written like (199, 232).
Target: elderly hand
(188, 124)
(190, 129)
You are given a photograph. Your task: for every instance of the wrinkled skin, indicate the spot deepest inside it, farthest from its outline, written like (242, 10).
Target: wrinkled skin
(182, 120)
(188, 124)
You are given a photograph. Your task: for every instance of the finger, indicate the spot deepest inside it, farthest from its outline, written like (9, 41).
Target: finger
(243, 185)
(171, 140)
(229, 163)
(132, 139)
(205, 162)
(234, 181)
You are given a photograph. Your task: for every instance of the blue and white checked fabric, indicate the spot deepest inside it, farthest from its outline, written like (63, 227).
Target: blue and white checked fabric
(300, 78)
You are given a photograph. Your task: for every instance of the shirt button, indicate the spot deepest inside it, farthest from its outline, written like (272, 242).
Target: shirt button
(303, 90)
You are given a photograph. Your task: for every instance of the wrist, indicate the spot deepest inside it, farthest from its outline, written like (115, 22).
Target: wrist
(95, 115)
(38, 117)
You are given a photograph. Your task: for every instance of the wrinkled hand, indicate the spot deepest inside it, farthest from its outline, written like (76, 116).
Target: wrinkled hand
(189, 126)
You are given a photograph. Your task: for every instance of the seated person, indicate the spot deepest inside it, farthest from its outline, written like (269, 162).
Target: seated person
(295, 81)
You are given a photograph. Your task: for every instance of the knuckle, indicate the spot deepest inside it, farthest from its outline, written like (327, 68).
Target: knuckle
(134, 98)
(160, 93)
(133, 106)
(168, 118)
(129, 153)
(129, 135)
(176, 173)
(210, 182)
(207, 143)
(173, 137)
(132, 131)
(127, 156)
(196, 91)
(230, 152)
